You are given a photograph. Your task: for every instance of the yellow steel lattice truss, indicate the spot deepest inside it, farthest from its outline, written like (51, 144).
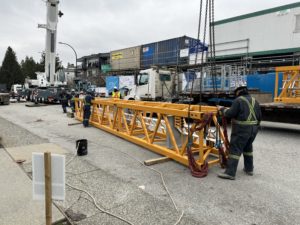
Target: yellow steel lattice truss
(160, 127)
(290, 90)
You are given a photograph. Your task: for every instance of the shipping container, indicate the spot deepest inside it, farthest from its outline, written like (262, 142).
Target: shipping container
(170, 52)
(125, 59)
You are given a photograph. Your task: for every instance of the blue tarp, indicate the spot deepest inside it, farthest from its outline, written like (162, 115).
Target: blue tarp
(264, 82)
(111, 82)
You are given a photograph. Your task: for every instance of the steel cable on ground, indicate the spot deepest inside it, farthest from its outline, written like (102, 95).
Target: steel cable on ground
(30, 177)
(157, 171)
(97, 206)
(94, 201)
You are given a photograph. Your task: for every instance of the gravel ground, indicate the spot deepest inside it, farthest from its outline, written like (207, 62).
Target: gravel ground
(12, 135)
(272, 196)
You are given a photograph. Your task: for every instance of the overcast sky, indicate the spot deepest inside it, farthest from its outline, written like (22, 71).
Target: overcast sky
(93, 26)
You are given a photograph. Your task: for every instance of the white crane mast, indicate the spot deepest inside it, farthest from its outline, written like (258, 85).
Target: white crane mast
(50, 49)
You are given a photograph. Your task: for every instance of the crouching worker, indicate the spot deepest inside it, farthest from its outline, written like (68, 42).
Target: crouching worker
(246, 116)
(87, 101)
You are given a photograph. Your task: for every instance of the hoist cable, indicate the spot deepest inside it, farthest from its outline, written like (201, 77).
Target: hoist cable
(195, 170)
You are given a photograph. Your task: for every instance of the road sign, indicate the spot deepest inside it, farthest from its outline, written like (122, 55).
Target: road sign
(58, 176)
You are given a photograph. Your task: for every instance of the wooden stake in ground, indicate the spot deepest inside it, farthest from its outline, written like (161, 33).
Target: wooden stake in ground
(48, 187)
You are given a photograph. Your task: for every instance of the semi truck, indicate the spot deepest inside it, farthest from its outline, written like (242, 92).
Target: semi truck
(151, 85)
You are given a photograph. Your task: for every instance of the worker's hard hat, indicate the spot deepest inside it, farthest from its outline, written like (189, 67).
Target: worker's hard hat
(115, 88)
(241, 88)
(73, 90)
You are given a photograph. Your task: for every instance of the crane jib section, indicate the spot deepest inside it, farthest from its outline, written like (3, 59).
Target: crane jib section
(165, 128)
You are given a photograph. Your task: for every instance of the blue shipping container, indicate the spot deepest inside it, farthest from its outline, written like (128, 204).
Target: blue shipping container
(111, 82)
(168, 52)
(264, 82)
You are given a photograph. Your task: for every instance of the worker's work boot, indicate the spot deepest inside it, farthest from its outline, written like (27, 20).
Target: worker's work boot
(226, 176)
(249, 173)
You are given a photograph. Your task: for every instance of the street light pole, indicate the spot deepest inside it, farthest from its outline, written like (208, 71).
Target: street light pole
(62, 43)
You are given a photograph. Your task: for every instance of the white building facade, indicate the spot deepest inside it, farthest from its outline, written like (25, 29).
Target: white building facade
(267, 32)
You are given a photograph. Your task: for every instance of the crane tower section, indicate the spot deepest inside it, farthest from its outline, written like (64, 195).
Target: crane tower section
(51, 30)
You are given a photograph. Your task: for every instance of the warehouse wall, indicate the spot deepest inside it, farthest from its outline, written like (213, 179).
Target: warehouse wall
(273, 31)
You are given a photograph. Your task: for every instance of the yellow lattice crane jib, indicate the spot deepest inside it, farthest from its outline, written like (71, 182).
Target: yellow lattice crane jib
(290, 90)
(164, 128)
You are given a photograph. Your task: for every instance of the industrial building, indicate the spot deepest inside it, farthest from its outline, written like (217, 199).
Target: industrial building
(260, 40)
(242, 44)
(125, 139)
(94, 64)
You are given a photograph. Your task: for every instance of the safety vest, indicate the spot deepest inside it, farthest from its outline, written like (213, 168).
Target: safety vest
(87, 102)
(116, 94)
(251, 120)
(64, 97)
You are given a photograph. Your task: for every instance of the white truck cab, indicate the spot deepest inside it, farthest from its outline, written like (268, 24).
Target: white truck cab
(151, 85)
(15, 88)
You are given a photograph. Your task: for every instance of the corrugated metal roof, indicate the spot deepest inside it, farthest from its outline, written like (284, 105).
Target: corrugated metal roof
(99, 55)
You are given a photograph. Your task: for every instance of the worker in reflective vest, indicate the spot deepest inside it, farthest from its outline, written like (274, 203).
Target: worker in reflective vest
(72, 101)
(246, 116)
(87, 101)
(116, 93)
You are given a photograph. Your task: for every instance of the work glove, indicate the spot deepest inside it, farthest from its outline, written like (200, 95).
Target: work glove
(220, 110)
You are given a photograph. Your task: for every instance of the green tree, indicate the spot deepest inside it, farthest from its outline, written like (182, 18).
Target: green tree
(41, 64)
(29, 67)
(10, 72)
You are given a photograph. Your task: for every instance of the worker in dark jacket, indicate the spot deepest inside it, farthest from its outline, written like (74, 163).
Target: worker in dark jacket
(116, 93)
(246, 116)
(72, 100)
(64, 98)
(87, 101)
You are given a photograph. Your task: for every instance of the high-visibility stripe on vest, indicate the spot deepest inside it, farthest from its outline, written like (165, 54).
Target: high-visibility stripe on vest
(86, 103)
(236, 157)
(248, 153)
(116, 94)
(251, 120)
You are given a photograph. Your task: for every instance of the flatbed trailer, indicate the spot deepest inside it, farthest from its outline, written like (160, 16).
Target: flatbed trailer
(281, 112)
(286, 105)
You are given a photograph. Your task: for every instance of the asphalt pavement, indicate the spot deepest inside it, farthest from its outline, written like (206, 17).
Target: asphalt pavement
(121, 186)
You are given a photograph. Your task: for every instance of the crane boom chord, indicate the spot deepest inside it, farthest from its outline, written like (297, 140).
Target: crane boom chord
(160, 127)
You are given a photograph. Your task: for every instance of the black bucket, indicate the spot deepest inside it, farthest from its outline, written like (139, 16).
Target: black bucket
(82, 147)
